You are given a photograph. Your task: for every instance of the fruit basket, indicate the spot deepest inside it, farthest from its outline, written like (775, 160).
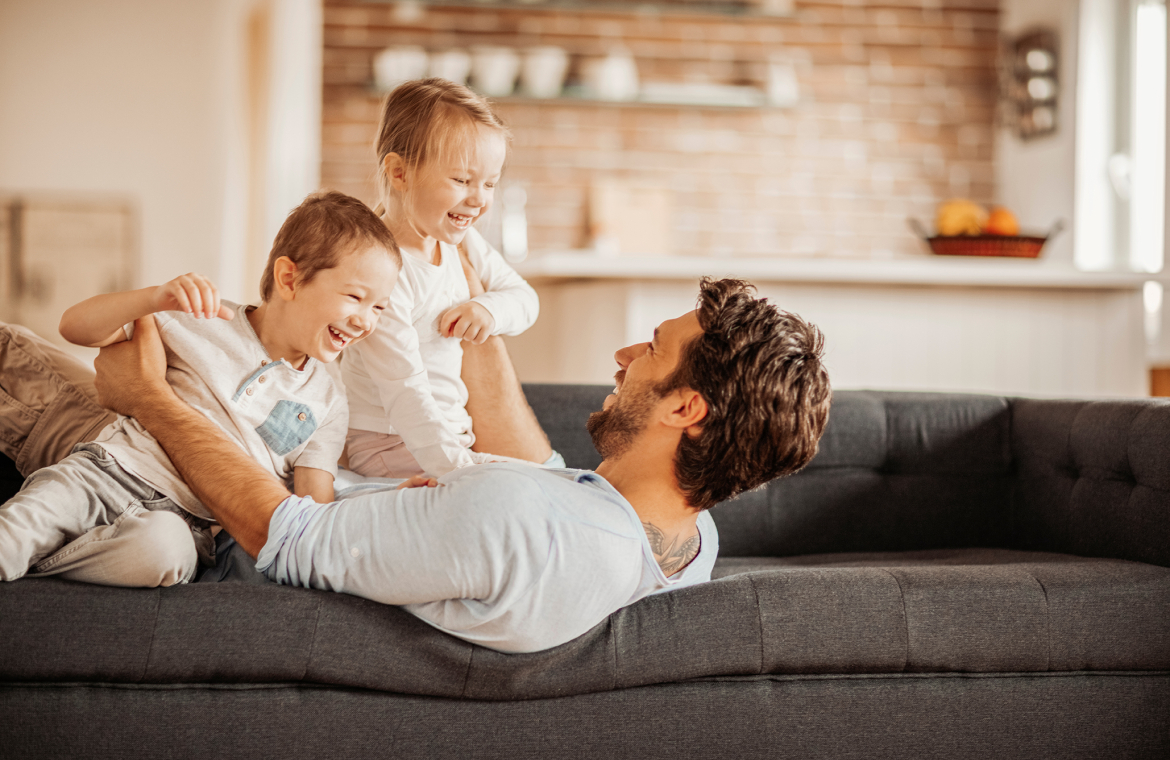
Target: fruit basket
(1016, 246)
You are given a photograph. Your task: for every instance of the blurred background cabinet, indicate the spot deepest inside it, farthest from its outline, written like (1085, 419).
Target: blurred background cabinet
(56, 252)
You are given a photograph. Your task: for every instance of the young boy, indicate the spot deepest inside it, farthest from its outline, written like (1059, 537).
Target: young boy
(115, 511)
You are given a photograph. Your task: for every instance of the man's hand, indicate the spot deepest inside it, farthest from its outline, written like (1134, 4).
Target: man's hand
(132, 373)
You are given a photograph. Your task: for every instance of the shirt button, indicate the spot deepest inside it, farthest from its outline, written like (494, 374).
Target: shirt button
(251, 390)
(264, 378)
(264, 362)
(355, 552)
(301, 417)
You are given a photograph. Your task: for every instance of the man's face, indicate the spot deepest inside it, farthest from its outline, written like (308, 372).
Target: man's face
(642, 369)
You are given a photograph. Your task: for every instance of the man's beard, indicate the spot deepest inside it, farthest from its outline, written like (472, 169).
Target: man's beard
(614, 430)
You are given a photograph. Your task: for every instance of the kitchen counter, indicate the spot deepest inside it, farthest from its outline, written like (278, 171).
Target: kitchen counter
(966, 272)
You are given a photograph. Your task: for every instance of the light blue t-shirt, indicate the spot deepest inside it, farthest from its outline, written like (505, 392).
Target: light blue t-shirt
(514, 557)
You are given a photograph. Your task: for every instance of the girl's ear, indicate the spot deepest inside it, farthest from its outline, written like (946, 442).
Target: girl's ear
(395, 170)
(285, 278)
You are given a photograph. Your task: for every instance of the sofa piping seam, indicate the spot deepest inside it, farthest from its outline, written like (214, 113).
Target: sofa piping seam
(1047, 623)
(759, 620)
(312, 640)
(153, 634)
(905, 619)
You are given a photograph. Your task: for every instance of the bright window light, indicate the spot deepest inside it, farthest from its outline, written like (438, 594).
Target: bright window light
(1148, 166)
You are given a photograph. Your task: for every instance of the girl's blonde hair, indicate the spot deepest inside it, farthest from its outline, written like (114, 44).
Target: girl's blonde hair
(421, 120)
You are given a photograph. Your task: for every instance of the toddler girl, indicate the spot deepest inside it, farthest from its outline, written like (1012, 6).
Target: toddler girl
(440, 150)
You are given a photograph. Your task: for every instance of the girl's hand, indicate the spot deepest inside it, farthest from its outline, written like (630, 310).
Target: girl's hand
(418, 481)
(469, 321)
(191, 293)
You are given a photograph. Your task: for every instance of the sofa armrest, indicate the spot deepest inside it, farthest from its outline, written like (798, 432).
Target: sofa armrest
(1093, 477)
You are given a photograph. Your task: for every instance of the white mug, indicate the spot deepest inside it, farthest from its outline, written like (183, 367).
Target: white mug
(543, 74)
(398, 64)
(454, 65)
(494, 70)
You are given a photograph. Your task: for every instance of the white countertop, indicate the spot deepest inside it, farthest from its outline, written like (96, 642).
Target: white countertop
(926, 270)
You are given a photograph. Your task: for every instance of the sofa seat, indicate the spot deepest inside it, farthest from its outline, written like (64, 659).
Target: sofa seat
(979, 610)
(954, 611)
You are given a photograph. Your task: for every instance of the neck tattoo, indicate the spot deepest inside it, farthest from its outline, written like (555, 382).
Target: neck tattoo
(671, 554)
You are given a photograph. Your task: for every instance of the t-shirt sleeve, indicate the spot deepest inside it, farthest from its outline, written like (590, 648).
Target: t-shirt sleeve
(392, 359)
(509, 298)
(471, 538)
(324, 448)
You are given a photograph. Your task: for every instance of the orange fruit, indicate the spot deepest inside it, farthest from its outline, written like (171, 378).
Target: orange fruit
(1001, 222)
(960, 216)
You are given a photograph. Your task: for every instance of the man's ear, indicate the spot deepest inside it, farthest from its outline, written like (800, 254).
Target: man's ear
(395, 170)
(688, 410)
(285, 278)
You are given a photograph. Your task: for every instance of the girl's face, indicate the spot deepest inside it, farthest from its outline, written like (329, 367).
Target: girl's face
(446, 195)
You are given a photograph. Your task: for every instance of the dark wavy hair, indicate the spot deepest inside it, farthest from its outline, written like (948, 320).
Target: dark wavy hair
(767, 391)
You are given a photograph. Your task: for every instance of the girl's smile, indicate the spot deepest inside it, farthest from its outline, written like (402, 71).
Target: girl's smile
(439, 200)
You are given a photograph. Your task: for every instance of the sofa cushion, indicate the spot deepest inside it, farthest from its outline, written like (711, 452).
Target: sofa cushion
(979, 611)
(895, 472)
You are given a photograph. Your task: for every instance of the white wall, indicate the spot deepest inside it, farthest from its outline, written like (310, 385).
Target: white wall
(148, 100)
(1035, 178)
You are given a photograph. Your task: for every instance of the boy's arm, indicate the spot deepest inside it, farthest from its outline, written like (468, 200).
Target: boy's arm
(98, 321)
(309, 481)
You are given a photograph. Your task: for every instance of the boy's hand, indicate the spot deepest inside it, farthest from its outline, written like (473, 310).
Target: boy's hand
(470, 321)
(191, 293)
(418, 481)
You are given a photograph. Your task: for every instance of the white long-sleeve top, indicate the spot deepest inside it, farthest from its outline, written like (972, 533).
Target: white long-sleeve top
(404, 378)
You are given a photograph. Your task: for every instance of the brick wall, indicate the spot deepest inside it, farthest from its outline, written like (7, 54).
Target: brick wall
(896, 113)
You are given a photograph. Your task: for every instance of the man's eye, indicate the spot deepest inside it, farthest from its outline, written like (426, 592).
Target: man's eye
(490, 185)
(460, 181)
(356, 298)
(379, 308)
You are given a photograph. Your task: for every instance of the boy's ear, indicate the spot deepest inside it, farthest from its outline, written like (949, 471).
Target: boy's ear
(395, 170)
(285, 277)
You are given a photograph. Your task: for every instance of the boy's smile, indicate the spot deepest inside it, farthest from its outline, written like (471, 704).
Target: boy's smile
(338, 307)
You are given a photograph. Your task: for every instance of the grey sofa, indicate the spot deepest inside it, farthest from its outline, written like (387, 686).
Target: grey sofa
(953, 576)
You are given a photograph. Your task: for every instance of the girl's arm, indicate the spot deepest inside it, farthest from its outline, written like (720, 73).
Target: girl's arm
(309, 481)
(98, 321)
(512, 302)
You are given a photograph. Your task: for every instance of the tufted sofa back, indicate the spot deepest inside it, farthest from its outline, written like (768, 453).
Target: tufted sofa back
(904, 471)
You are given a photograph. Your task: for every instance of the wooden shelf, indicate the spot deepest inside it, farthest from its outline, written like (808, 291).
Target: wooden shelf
(924, 271)
(736, 9)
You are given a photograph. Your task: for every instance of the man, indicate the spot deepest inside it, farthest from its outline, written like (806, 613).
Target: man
(515, 557)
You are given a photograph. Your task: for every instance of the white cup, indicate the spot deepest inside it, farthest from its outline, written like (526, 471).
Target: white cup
(454, 65)
(398, 64)
(614, 77)
(494, 70)
(543, 73)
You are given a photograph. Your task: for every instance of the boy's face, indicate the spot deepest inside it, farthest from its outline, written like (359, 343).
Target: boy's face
(341, 305)
(448, 194)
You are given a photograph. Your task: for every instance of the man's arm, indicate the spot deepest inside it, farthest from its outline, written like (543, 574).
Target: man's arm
(131, 380)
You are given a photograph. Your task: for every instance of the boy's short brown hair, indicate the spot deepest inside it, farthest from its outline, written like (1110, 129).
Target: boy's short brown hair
(325, 227)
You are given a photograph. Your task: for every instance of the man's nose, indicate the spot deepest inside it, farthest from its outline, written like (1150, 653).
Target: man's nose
(626, 355)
